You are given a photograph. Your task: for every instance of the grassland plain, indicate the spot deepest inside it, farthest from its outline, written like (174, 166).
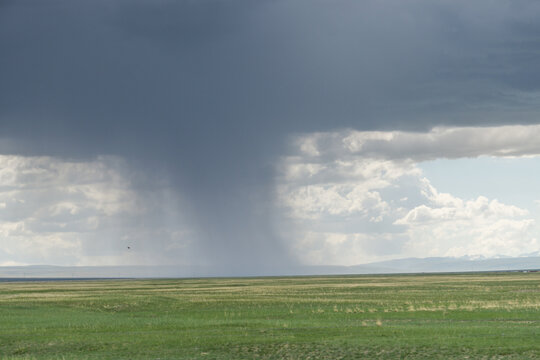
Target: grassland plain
(459, 316)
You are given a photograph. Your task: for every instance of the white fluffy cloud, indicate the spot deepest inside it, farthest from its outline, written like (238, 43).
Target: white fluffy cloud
(55, 211)
(449, 226)
(339, 186)
(360, 196)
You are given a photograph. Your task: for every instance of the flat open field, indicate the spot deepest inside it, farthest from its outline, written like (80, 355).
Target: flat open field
(468, 316)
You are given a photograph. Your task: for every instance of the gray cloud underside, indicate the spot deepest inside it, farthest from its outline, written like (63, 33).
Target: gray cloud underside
(207, 91)
(438, 143)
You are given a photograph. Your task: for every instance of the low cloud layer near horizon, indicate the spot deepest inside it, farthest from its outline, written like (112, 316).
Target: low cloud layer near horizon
(182, 116)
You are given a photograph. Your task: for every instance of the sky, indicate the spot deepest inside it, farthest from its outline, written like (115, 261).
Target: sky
(255, 137)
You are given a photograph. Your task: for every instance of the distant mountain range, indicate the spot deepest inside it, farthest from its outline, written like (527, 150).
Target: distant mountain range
(448, 264)
(409, 265)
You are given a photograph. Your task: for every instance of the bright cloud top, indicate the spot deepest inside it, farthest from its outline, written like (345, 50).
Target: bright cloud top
(358, 196)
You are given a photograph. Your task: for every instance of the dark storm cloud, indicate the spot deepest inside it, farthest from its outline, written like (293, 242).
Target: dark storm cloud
(209, 90)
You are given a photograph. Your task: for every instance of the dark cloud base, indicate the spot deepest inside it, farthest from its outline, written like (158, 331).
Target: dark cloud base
(207, 92)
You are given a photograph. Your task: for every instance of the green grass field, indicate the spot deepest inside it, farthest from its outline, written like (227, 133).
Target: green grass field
(468, 316)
